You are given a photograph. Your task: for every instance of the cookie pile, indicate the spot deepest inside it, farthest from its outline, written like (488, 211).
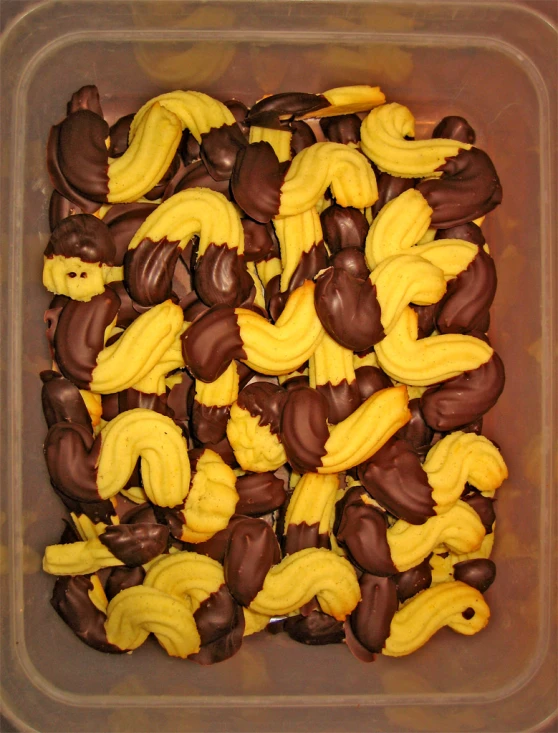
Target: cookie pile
(270, 370)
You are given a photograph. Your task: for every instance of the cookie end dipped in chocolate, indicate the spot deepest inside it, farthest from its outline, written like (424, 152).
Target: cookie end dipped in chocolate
(256, 181)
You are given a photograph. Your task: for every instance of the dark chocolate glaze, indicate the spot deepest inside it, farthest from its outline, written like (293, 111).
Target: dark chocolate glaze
(121, 578)
(371, 379)
(265, 401)
(259, 493)
(62, 401)
(79, 335)
(389, 187)
(83, 155)
(195, 176)
(468, 188)
(129, 310)
(416, 432)
(465, 398)
(343, 129)
(362, 531)
(368, 626)
(209, 422)
(316, 629)
(97, 511)
(426, 322)
(412, 581)
(239, 111)
(119, 136)
(348, 309)
(194, 307)
(159, 189)
(468, 296)
(301, 380)
(302, 136)
(135, 544)
(130, 399)
(84, 236)
(256, 181)
(123, 221)
(395, 478)
(220, 622)
(189, 148)
(455, 128)
(216, 546)
(285, 104)
(245, 374)
(86, 97)
(149, 269)
(178, 401)
(69, 534)
(478, 573)
(342, 399)
(483, 506)
(219, 148)
(251, 551)
(223, 448)
(59, 208)
(351, 260)
(139, 514)
(469, 232)
(71, 455)
(70, 599)
(343, 227)
(212, 342)
(304, 431)
(310, 264)
(301, 536)
(259, 240)
(221, 277)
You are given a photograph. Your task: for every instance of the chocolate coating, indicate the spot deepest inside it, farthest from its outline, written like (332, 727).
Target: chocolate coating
(84, 236)
(212, 342)
(395, 478)
(344, 227)
(468, 188)
(362, 531)
(371, 379)
(130, 399)
(478, 573)
(86, 97)
(389, 187)
(70, 599)
(342, 399)
(256, 181)
(121, 578)
(221, 277)
(285, 104)
(455, 128)
(302, 536)
(304, 431)
(239, 111)
(129, 310)
(368, 626)
(265, 401)
(223, 448)
(79, 335)
(465, 398)
(71, 455)
(251, 551)
(178, 401)
(483, 506)
(412, 581)
(149, 269)
(302, 136)
(310, 264)
(216, 546)
(59, 208)
(316, 629)
(259, 240)
(123, 221)
(259, 493)
(209, 422)
(468, 296)
(416, 432)
(220, 622)
(348, 309)
(351, 260)
(197, 175)
(62, 401)
(119, 136)
(135, 544)
(343, 129)
(159, 189)
(469, 232)
(219, 148)
(189, 148)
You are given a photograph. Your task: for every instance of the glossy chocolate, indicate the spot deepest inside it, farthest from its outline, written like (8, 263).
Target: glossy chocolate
(221, 277)
(189, 149)
(71, 455)
(362, 531)
(469, 232)
(412, 581)
(223, 448)
(123, 221)
(416, 432)
(83, 236)
(310, 264)
(371, 379)
(285, 104)
(465, 398)
(348, 309)
(301, 536)
(265, 401)
(219, 148)
(80, 333)
(149, 269)
(101, 510)
(62, 401)
(342, 129)
(344, 227)
(468, 296)
(251, 551)
(87, 97)
(119, 136)
(389, 187)
(220, 622)
(368, 626)
(342, 399)
(259, 240)
(351, 260)
(71, 601)
(135, 544)
(216, 546)
(395, 478)
(196, 175)
(304, 431)
(260, 493)
(468, 188)
(426, 322)
(178, 400)
(159, 189)
(59, 208)
(256, 181)
(455, 128)
(302, 136)
(479, 573)
(483, 506)
(209, 422)
(212, 342)
(59, 180)
(239, 111)
(130, 399)
(121, 578)
(316, 629)
(129, 310)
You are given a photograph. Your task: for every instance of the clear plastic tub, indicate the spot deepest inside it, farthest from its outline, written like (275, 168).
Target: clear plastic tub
(491, 62)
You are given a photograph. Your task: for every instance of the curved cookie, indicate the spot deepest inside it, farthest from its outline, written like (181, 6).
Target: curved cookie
(307, 521)
(186, 575)
(332, 374)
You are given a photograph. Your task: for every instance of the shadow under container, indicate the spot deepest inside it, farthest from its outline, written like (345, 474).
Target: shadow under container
(493, 63)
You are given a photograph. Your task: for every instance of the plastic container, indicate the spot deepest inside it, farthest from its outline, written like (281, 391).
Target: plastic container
(491, 62)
